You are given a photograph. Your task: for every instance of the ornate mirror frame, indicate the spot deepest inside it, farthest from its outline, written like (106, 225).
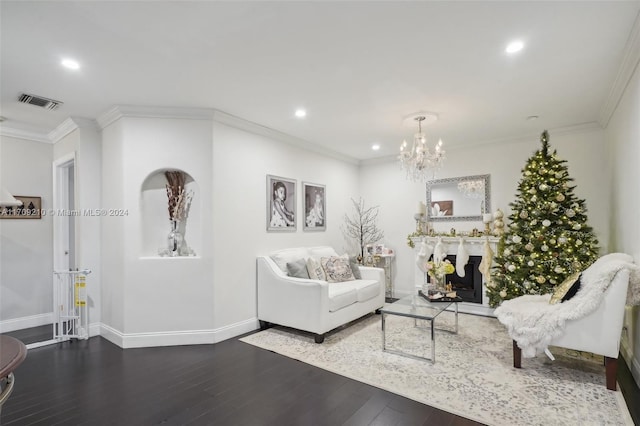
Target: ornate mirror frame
(484, 200)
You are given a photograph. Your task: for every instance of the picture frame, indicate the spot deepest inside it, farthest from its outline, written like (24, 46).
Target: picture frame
(315, 207)
(378, 249)
(281, 204)
(31, 208)
(441, 208)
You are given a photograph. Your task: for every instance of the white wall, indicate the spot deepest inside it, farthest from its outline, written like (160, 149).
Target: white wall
(85, 142)
(149, 300)
(112, 239)
(148, 297)
(241, 161)
(384, 184)
(26, 266)
(623, 141)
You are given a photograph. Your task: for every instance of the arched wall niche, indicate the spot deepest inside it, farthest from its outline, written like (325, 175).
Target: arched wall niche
(155, 221)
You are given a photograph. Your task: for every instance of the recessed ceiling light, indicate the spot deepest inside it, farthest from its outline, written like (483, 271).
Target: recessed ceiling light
(514, 46)
(301, 113)
(532, 117)
(71, 64)
(375, 147)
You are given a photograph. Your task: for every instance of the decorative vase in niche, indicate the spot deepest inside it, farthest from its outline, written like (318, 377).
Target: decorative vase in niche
(175, 239)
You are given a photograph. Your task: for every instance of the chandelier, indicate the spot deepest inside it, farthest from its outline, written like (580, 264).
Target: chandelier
(420, 162)
(472, 188)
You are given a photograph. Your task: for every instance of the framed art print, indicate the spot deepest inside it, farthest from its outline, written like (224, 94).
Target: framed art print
(315, 207)
(31, 208)
(442, 208)
(281, 204)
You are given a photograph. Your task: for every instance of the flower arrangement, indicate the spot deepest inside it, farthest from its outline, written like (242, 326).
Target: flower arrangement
(179, 199)
(438, 270)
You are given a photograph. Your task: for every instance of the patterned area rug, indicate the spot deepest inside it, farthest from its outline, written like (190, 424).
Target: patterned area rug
(473, 375)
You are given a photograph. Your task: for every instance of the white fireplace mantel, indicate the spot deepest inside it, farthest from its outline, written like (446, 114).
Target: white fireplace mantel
(474, 247)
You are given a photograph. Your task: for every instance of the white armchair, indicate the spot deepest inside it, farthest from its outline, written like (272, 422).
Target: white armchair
(591, 321)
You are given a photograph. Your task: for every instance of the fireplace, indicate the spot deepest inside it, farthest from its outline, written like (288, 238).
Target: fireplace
(469, 287)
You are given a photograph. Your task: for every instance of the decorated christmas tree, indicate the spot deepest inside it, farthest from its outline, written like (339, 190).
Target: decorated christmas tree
(548, 237)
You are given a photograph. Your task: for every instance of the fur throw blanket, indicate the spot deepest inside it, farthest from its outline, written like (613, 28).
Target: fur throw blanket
(533, 323)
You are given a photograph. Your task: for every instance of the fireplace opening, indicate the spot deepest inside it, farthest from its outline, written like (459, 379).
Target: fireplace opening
(469, 287)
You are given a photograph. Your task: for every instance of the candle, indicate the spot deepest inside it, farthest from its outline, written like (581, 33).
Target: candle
(422, 208)
(487, 217)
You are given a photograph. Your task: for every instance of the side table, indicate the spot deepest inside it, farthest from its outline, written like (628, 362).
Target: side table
(385, 261)
(12, 353)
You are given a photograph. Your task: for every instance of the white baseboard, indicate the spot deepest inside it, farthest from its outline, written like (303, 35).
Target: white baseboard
(176, 338)
(94, 329)
(26, 322)
(632, 362)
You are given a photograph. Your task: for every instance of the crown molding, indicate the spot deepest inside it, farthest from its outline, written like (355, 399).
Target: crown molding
(553, 131)
(574, 128)
(24, 134)
(628, 66)
(69, 125)
(119, 111)
(249, 126)
(379, 160)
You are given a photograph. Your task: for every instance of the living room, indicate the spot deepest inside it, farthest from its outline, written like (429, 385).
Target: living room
(138, 298)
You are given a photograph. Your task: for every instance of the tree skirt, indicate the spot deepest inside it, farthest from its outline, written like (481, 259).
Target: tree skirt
(473, 375)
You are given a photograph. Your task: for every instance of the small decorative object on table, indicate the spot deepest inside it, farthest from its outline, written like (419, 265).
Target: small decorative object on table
(438, 270)
(440, 297)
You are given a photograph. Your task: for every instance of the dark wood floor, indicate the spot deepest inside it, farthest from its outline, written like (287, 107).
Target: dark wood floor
(94, 382)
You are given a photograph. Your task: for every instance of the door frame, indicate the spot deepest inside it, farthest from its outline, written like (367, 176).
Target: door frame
(60, 206)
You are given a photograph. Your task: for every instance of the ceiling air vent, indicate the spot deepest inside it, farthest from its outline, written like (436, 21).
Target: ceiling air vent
(39, 101)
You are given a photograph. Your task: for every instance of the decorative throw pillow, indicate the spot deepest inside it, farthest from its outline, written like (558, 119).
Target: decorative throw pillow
(298, 269)
(315, 270)
(567, 289)
(355, 268)
(337, 269)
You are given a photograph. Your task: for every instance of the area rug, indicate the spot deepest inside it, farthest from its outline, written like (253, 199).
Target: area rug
(473, 375)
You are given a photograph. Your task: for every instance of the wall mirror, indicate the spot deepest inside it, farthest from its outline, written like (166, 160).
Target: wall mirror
(459, 198)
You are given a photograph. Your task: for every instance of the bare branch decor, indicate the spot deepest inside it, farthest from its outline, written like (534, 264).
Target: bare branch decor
(362, 225)
(179, 198)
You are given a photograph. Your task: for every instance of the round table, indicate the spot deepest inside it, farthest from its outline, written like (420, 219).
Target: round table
(12, 353)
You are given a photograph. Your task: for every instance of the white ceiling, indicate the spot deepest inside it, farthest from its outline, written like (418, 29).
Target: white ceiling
(359, 68)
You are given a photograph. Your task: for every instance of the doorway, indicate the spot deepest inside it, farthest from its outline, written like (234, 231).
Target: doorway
(64, 215)
(64, 218)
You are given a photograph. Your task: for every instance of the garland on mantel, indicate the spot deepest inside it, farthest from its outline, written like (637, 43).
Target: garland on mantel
(456, 234)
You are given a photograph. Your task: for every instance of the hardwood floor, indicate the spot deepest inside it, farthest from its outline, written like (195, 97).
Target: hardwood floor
(94, 382)
(33, 335)
(629, 389)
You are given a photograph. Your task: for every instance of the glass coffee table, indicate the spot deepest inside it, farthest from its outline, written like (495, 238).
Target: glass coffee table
(418, 308)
